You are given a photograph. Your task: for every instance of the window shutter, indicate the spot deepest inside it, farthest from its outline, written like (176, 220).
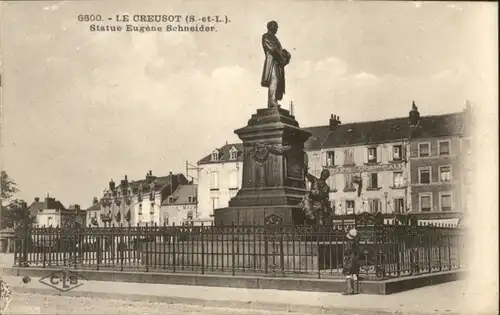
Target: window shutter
(334, 160)
(379, 180)
(379, 154)
(323, 158)
(365, 155)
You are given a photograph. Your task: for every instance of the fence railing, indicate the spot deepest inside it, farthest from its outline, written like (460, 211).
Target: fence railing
(385, 251)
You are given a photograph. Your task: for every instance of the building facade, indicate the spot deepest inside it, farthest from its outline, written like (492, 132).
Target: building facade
(220, 175)
(139, 202)
(180, 208)
(440, 171)
(52, 213)
(367, 164)
(399, 165)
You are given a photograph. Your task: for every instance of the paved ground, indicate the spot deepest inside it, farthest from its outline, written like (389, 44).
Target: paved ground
(46, 304)
(146, 298)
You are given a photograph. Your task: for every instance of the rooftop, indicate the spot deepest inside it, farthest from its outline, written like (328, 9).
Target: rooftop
(181, 195)
(224, 155)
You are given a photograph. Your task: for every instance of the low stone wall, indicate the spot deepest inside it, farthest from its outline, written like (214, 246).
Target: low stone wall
(251, 255)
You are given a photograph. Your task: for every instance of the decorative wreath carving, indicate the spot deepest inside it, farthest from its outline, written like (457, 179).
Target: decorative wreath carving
(273, 219)
(260, 151)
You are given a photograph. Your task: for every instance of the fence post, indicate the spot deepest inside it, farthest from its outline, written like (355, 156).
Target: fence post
(232, 252)
(266, 250)
(282, 252)
(202, 251)
(174, 241)
(147, 247)
(449, 237)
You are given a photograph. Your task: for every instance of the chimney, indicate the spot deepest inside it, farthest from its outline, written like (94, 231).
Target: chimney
(112, 185)
(124, 182)
(95, 200)
(414, 116)
(334, 121)
(77, 208)
(150, 177)
(37, 199)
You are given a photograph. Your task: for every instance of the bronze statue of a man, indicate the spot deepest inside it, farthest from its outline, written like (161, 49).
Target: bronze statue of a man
(273, 74)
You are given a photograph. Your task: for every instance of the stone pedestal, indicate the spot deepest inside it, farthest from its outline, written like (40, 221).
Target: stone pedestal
(273, 171)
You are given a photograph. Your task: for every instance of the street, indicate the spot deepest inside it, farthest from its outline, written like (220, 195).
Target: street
(51, 304)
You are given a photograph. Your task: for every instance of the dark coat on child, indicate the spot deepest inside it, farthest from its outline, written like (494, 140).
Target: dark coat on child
(351, 258)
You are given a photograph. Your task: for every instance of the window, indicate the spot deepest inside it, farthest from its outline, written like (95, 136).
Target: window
(374, 205)
(398, 180)
(190, 215)
(445, 201)
(215, 202)
(373, 180)
(444, 147)
(348, 157)
(397, 152)
(330, 158)
(214, 180)
(233, 179)
(372, 155)
(215, 155)
(165, 220)
(445, 173)
(399, 205)
(348, 181)
(233, 155)
(140, 209)
(349, 206)
(424, 149)
(425, 203)
(424, 175)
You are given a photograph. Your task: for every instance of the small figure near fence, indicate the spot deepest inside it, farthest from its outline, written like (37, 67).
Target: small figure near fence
(350, 266)
(316, 204)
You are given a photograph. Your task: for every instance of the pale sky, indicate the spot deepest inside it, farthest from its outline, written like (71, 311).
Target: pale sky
(80, 108)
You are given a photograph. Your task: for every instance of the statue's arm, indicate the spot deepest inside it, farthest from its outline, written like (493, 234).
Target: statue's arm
(270, 45)
(310, 177)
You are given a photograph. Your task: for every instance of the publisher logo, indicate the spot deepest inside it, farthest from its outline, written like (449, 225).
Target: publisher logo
(63, 280)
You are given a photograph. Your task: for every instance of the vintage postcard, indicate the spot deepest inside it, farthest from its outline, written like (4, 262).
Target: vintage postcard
(249, 157)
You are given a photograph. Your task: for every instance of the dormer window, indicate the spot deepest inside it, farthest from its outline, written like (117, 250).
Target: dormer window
(215, 155)
(233, 153)
(170, 199)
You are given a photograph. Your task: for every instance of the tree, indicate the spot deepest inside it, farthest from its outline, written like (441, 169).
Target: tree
(15, 212)
(8, 186)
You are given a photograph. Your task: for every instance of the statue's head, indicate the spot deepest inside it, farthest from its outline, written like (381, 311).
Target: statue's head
(272, 27)
(325, 174)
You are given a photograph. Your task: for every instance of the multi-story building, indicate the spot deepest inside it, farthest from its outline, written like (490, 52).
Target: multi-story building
(439, 146)
(180, 207)
(94, 213)
(392, 166)
(367, 164)
(138, 202)
(219, 178)
(51, 212)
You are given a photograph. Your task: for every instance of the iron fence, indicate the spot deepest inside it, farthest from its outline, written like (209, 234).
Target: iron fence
(385, 251)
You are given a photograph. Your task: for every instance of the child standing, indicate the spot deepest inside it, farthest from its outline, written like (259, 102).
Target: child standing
(351, 263)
